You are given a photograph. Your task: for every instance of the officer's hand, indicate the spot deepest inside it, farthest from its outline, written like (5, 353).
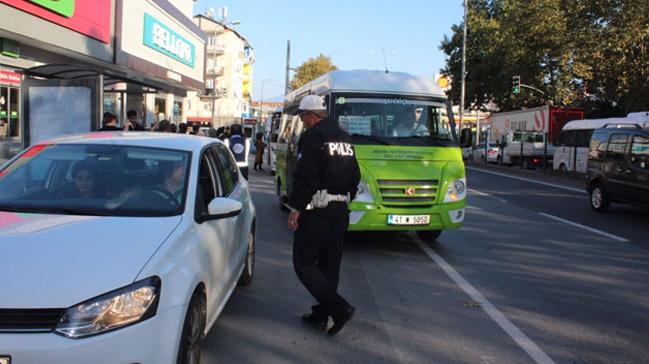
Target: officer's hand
(292, 220)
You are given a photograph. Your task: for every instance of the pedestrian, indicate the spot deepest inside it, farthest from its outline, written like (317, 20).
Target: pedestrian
(195, 129)
(163, 126)
(109, 122)
(133, 123)
(172, 128)
(325, 181)
(182, 128)
(237, 144)
(259, 153)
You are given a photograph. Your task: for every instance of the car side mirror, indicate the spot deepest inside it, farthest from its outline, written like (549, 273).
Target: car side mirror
(466, 138)
(223, 207)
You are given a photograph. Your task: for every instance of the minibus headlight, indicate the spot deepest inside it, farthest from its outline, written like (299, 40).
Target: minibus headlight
(363, 194)
(456, 190)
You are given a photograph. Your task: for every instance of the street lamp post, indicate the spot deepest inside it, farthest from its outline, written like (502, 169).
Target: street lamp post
(463, 89)
(261, 104)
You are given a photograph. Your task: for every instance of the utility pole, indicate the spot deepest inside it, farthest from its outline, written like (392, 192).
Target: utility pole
(288, 67)
(463, 89)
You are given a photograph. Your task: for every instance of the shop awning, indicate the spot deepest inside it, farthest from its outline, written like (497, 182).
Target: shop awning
(136, 82)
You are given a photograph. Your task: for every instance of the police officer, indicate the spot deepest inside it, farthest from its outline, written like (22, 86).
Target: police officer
(325, 181)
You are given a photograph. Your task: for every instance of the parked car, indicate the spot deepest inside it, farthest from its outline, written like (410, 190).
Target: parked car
(466, 153)
(618, 167)
(120, 247)
(478, 153)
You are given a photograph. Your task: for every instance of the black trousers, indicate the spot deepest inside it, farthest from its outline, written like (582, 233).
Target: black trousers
(317, 253)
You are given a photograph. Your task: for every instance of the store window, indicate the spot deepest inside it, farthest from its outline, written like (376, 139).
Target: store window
(178, 110)
(159, 108)
(9, 112)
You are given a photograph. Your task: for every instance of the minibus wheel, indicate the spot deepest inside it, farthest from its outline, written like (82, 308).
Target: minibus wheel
(429, 236)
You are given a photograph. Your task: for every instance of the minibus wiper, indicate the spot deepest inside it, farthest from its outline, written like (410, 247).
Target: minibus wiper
(372, 138)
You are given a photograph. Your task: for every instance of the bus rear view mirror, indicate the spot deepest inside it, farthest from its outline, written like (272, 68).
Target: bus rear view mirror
(465, 138)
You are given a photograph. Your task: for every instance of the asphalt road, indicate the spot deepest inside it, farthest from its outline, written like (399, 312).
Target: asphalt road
(510, 286)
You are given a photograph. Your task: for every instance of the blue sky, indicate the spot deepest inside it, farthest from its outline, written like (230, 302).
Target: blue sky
(352, 32)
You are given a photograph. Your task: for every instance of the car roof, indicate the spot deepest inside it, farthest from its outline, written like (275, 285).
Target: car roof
(142, 139)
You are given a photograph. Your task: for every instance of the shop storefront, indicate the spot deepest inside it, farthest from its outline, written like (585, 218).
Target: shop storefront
(164, 44)
(91, 56)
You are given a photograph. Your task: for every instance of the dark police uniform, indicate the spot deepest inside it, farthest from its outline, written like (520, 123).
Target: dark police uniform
(326, 160)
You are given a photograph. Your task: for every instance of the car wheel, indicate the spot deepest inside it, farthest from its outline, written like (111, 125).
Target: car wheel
(191, 340)
(429, 236)
(598, 200)
(249, 267)
(563, 168)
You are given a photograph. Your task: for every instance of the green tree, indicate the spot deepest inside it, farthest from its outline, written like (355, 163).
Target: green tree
(579, 53)
(311, 69)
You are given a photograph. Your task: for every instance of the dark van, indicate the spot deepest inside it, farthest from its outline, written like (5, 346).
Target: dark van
(618, 166)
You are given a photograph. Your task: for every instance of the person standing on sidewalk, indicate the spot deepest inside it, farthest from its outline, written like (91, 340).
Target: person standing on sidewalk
(259, 152)
(325, 181)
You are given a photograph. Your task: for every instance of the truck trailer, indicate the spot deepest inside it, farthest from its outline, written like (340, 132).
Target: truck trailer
(526, 137)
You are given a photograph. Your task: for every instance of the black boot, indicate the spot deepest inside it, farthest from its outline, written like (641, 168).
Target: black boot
(316, 320)
(341, 320)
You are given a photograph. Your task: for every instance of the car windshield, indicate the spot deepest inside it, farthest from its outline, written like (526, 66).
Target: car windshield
(103, 180)
(394, 121)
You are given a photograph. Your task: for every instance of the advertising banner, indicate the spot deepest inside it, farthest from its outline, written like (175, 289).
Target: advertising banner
(90, 18)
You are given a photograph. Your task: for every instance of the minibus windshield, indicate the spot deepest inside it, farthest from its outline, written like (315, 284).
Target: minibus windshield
(394, 121)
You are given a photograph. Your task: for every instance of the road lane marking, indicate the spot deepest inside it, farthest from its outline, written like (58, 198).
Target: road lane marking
(527, 180)
(479, 193)
(592, 230)
(538, 355)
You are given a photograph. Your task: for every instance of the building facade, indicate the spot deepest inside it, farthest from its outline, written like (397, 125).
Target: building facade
(228, 76)
(63, 64)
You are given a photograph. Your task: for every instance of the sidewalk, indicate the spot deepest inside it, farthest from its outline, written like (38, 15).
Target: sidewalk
(547, 176)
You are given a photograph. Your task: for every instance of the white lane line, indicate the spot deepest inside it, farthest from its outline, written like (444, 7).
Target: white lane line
(527, 180)
(486, 195)
(592, 230)
(538, 355)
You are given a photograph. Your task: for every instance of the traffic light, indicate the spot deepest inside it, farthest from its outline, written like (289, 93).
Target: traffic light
(516, 84)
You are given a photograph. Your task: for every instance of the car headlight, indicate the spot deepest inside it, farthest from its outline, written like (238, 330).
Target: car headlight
(363, 194)
(456, 190)
(113, 310)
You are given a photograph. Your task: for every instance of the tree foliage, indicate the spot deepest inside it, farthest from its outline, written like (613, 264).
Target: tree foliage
(311, 69)
(590, 53)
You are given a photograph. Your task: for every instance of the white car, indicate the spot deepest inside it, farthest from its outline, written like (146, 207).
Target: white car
(120, 247)
(478, 154)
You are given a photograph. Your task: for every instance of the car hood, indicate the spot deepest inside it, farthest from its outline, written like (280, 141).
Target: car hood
(56, 261)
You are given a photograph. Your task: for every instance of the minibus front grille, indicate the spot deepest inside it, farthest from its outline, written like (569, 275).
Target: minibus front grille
(407, 193)
(29, 320)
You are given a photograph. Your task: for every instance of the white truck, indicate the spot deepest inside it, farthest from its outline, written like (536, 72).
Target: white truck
(526, 137)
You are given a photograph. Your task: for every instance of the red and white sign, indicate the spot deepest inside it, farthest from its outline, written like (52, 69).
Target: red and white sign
(10, 77)
(90, 18)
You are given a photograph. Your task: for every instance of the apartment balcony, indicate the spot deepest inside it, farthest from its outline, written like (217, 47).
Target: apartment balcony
(215, 71)
(215, 49)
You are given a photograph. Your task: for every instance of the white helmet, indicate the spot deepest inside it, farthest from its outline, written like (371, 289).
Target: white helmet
(312, 103)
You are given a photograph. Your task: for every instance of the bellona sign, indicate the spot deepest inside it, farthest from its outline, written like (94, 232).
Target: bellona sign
(164, 40)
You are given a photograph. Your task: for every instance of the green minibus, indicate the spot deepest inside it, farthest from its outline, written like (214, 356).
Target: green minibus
(402, 128)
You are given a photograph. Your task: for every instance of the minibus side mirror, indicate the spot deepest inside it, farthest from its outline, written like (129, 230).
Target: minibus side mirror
(465, 138)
